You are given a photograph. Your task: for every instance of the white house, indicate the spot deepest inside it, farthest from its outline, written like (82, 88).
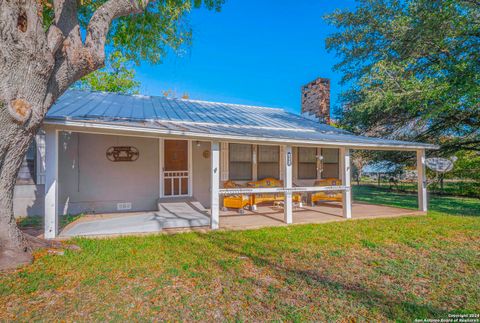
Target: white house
(106, 152)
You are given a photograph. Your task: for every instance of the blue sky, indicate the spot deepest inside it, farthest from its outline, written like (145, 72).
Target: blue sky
(252, 52)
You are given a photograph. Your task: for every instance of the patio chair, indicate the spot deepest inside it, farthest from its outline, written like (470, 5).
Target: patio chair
(270, 197)
(238, 201)
(335, 196)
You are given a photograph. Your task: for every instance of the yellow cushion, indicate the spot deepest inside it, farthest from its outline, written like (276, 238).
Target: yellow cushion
(328, 195)
(238, 201)
(270, 197)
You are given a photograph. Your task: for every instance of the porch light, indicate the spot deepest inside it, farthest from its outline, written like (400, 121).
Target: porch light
(319, 164)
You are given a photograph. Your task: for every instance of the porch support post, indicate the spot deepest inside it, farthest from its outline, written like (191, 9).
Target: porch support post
(288, 183)
(346, 180)
(422, 181)
(51, 184)
(215, 185)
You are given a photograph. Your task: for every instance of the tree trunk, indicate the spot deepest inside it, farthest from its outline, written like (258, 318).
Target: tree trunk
(36, 67)
(14, 249)
(14, 143)
(26, 65)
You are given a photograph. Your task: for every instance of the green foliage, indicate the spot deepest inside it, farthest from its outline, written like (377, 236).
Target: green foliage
(36, 221)
(412, 70)
(30, 222)
(466, 166)
(148, 36)
(115, 77)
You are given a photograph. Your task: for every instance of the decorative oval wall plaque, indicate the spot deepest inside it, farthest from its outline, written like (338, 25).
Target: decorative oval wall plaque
(122, 153)
(206, 154)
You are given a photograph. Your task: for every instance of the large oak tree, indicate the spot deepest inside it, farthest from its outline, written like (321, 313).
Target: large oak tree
(411, 69)
(46, 46)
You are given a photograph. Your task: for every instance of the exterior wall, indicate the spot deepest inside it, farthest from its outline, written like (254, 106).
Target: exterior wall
(89, 182)
(201, 173)
(28, 200)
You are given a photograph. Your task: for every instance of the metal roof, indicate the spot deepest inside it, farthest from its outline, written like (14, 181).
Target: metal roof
(201, 118)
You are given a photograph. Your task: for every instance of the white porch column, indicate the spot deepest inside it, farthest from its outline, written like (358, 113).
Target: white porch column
(51, 184)
(346, 180)
(422, 181)
(288, 183)
(215, 184)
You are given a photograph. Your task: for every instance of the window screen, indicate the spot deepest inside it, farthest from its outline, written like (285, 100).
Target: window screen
(268, 162)
(330, 163)
(240, 167)
(307, 163)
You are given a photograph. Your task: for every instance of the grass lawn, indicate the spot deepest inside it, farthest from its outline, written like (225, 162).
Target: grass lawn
(444, 204)
(395, 269)
(451, 188)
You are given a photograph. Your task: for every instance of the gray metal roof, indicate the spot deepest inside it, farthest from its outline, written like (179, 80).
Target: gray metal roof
(200, 118)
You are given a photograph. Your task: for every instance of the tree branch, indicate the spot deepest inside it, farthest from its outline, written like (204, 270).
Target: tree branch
(76, 59)
(66, 15)
(55, 38)
(101, 20)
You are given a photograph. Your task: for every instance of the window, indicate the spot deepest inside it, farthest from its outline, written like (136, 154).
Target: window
(240, 167)
(330, 163)
(26, 174)
(268, 162)
(307, 163)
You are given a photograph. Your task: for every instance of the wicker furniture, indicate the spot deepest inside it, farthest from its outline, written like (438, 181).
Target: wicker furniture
(235, 201)
(327, 195)
(270, 197)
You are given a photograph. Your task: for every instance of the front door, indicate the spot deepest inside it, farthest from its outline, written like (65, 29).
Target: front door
(175, 168)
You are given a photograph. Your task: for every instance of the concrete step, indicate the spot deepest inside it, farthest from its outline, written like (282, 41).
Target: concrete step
(182, 212)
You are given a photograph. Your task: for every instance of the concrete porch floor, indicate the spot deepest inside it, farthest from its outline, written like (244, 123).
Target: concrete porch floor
(267, 216)
(170, 215)
(186, 216)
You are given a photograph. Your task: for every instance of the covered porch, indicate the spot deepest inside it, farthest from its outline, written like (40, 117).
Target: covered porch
(293, 203)
(185, 216)
(197, 198)
(136, 155)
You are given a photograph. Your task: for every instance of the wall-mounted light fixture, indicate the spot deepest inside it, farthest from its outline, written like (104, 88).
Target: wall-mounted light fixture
(197, 143)
(319, 163)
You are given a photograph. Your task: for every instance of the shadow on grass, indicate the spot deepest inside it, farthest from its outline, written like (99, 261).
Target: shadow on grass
(390, 305)
(445, 204)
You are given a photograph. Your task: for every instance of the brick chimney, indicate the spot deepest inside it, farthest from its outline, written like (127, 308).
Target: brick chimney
(316, 100)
